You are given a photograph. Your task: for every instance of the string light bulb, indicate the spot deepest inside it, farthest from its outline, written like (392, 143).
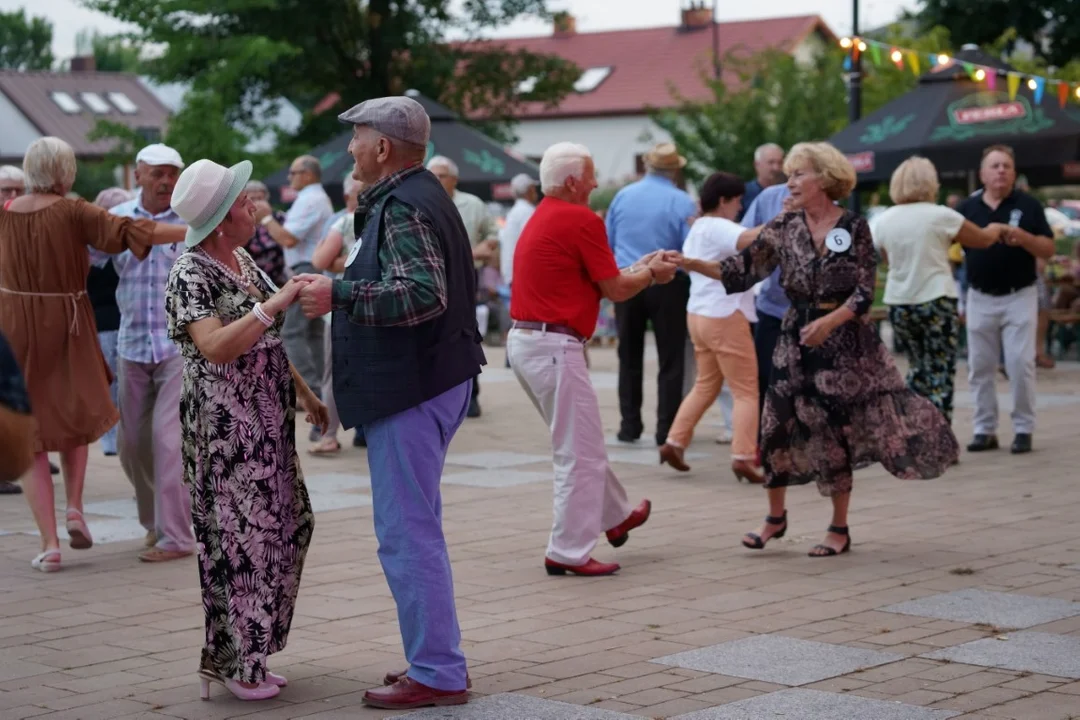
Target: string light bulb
(845, 43)
(862, 46)
(942, 59)
(1032, 84)
(980, 75)
(1078, 93)
(896, 55)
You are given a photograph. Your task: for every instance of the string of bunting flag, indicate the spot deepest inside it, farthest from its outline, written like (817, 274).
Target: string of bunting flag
(912, 59)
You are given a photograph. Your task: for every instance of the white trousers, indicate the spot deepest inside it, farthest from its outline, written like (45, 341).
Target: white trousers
(994, 322)
(589, 499)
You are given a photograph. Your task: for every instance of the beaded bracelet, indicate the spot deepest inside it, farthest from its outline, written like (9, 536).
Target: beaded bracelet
(262, 316)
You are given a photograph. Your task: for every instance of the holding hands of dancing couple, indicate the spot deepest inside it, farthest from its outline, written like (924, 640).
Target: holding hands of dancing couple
(1011, 235)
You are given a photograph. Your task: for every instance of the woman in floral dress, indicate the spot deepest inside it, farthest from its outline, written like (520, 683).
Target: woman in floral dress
(837, 402)
(252, 516)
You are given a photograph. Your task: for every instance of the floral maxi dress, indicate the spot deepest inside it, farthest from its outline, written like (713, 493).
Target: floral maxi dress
(252, 516)
(841, 406)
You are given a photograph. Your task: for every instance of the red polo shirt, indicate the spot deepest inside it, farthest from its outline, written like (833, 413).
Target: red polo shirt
(560, 258)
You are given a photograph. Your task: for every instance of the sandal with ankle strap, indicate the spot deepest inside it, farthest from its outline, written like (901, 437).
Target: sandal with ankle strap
(78, 533)
(758, 543)
(828, 551)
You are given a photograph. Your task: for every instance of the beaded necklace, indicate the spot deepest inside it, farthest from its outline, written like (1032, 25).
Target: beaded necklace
(242, 280)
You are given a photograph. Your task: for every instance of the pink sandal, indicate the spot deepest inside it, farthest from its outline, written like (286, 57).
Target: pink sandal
(77, 531)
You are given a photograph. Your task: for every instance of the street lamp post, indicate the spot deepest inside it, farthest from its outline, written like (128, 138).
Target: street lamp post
(855, 84)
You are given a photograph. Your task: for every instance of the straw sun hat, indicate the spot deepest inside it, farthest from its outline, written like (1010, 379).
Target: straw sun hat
(204, 194)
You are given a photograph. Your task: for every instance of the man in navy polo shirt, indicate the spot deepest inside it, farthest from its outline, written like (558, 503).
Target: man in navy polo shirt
(1003, 302)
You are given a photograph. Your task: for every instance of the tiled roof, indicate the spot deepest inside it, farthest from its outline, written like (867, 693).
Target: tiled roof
(647, 63)
(32, 94)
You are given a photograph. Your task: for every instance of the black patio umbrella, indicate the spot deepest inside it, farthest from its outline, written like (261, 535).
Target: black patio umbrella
(485, 167)
(949, 118)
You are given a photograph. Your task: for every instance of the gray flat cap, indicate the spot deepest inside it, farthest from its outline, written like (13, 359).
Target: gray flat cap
(397, 117)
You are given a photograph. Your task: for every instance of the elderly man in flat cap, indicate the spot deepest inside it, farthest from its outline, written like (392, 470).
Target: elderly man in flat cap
(406, 353)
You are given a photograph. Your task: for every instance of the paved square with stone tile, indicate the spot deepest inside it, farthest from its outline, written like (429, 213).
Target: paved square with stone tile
(904, 627)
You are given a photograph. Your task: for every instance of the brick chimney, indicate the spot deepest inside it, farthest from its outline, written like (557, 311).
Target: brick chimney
(565, 24)
(83, 63)
(696, 15)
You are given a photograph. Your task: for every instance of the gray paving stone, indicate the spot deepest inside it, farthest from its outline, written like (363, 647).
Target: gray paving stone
(646, 456)
(1036, 652)
(495, 478)
(797, 704)
(495, 460)
(779, 659)
(1003, 610)
(508, 706)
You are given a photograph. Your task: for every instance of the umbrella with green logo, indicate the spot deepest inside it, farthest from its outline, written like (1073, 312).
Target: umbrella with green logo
(485, 167)
(950, 119)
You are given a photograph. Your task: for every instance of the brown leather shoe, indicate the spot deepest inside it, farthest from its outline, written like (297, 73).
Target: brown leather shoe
(592, 568)
(673, 456)
(744, 470)
(619, 534)
(156, 555)
(392, 677)
(407, 694)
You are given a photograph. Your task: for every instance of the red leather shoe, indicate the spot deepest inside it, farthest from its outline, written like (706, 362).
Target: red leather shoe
(619, 534)
(407, 694)
(392, 677)
(590, 569)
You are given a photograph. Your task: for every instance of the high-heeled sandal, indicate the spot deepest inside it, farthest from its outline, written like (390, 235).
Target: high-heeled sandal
(78, 533)
(758, 543)
(272, 678)
(48, 561)
(828, 551)
(264, 691)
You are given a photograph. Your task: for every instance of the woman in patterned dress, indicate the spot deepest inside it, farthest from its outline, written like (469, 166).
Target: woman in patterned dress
(836, 403)
(252, 516)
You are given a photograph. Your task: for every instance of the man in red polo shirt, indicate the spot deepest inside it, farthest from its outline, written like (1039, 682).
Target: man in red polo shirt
(563, 266)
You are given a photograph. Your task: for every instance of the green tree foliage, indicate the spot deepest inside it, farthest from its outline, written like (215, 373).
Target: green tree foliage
(112, 53)
(247, 51)
(25, 43)
(1048, 25)
(776, 100)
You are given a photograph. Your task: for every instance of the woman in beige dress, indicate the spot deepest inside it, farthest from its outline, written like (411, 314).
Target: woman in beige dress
(48, 319)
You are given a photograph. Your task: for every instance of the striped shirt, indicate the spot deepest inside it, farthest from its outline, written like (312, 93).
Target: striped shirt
(412, 289)
(140, 294)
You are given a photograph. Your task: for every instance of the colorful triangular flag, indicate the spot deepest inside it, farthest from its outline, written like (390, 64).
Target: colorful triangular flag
(913, 62)
(991, 79)
(933, 59)
(1063, 93)
(1013, 81)
(847, 63)
(875, 53)
(1040, 85)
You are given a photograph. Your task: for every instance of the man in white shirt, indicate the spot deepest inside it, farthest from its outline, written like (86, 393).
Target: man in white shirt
(525, 199)
(305, 225)
(483, 233)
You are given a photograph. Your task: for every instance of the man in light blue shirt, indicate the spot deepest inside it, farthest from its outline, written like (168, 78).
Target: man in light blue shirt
(305, 226)
(772, 303)
(150, 368)
(649, 215)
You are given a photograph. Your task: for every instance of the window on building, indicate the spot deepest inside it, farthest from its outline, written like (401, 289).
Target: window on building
(95, 103)
(591, 79)
(527, 85)
(66, 103)
(149, 134)
(123, 103)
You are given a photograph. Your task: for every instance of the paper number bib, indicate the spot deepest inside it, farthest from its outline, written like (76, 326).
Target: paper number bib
(838, 240)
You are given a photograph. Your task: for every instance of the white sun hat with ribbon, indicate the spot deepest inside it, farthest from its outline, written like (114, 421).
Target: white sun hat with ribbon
(204, 194)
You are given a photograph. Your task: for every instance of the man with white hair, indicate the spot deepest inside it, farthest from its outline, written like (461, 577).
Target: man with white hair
(304, 226)
(563, 266)
(768, 165)
(151, 368)
(406, 350)
(525, 198)
(11, 184)
(483, 233)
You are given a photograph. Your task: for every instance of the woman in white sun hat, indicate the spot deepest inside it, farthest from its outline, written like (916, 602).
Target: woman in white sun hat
(252, 516)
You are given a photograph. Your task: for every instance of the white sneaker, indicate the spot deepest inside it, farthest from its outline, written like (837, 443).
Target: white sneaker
(724, 438)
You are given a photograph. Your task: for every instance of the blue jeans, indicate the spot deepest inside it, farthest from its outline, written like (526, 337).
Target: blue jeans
(406, 453)
(107, 339)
